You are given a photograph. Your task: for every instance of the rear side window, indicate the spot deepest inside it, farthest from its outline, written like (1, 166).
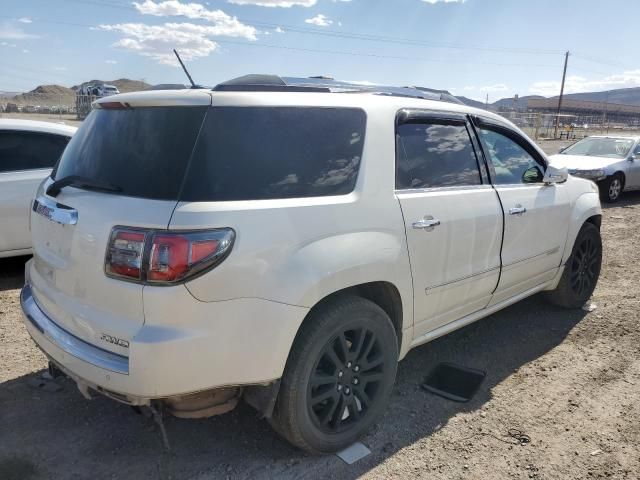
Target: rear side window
(144, 151)
(255, 153)
(29, 150)
(431, 155)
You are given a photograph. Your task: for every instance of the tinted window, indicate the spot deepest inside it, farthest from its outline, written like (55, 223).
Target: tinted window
(435, 155)
(144, 151)
(252, 153)
(511, 163)
(29, 151)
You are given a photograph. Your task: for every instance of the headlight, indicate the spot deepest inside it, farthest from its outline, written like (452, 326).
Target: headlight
(590, 174)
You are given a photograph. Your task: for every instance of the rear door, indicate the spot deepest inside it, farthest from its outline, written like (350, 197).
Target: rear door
(26, 158)
(536, 215)
(141, 151)
(453, 219)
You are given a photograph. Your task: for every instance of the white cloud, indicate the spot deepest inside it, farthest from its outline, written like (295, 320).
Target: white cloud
(433, 2)
(60, 69)
(111, 62)
(25, 20)
(276, 3)
(7, 44)
(158, 41)
(576, 84)
(24, 50)
(225, 24)
(279, 30)
(319, 20)
(191, 40)
(498, 87)
(9, 31)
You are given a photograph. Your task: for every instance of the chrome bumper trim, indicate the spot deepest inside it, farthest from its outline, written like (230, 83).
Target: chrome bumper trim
(68, 342)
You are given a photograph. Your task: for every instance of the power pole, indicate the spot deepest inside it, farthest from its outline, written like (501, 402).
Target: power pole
(564, 75)
(486, 104)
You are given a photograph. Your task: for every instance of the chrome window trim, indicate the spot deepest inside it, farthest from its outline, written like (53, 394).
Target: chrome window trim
(454, 188)
(66, 341)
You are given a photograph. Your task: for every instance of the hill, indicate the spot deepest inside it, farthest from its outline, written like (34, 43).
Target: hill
(47, 95)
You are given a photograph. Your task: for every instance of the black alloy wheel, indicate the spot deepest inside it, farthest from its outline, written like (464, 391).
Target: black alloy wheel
(346, 380)
(339, 375)
(585, 266)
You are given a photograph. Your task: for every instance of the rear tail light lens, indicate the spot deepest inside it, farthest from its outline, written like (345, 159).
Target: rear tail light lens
(163, 257)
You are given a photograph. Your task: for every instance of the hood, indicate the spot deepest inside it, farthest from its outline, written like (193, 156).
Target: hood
(582, 162)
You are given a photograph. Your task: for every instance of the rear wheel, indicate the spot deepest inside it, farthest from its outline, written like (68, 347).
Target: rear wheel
(611, 188)
(581, 271)
(339, 376)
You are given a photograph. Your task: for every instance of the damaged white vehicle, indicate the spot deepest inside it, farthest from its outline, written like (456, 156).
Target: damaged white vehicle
(288, 242)
(611, 161)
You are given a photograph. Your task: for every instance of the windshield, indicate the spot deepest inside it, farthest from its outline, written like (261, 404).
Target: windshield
(601, 147)
(142, 151)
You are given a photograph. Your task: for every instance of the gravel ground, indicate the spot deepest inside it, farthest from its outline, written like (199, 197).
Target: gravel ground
(569, 380)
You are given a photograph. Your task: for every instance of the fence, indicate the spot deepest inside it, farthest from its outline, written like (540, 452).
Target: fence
(48, 104)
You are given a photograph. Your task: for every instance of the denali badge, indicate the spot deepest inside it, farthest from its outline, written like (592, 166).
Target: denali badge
(114, 340)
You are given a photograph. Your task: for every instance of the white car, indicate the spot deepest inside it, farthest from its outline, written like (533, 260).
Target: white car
(289, 244)
(611, 161)
(28, 151)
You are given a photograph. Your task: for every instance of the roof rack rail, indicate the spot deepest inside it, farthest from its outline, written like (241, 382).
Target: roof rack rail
(275, 83)
(263, 83)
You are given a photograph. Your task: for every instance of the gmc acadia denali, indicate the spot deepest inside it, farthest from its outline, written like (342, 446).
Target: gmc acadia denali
(288, 243)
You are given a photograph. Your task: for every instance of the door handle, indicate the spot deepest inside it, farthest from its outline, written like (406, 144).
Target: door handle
(517, 210)
(427, 224)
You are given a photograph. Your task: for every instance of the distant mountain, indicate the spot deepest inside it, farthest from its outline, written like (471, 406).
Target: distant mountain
(508, 102)
(627, 96)
(472, 103)
(47, 95)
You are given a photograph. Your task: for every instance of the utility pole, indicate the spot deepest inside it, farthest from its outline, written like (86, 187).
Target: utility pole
(486, 104)
(564, 76)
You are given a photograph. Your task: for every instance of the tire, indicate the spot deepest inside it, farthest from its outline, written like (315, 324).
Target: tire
(611, 188)
(322, 378)
(581, 271)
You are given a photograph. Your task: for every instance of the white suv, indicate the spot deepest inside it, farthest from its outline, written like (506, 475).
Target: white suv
(289, 243)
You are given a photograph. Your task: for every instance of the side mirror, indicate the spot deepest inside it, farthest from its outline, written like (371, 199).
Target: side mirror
(634, 157)
(555, 175)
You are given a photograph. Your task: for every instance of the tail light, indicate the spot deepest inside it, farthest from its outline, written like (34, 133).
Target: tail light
(163, 257)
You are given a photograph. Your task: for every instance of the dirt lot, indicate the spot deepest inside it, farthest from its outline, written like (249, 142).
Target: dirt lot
(570, 380)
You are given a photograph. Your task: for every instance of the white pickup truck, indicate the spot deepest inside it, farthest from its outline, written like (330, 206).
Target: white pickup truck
(289, 243)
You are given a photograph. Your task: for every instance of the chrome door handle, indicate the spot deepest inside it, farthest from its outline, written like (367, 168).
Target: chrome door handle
(426, 224)
(517, 210)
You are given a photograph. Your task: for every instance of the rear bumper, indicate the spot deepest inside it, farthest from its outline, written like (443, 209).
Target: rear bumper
(185, 346)
(68, 343)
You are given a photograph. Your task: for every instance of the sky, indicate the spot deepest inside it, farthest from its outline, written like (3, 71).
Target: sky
(473, 48)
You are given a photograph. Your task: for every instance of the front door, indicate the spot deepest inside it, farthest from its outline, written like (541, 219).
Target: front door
(536, 215)
(453, 219)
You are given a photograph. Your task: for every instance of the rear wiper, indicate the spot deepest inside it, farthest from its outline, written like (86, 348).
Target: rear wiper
(78, 181)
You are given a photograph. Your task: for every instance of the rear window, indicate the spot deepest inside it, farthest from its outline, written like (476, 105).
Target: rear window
(20, 150)
(144, 151)
(253, 153)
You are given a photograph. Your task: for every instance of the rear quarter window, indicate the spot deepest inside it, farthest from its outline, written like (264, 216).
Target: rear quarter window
(21, 150)
(255, 153)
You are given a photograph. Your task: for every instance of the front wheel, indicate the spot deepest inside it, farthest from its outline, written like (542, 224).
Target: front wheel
(338, 377)
(611, 188)
(582, 270)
